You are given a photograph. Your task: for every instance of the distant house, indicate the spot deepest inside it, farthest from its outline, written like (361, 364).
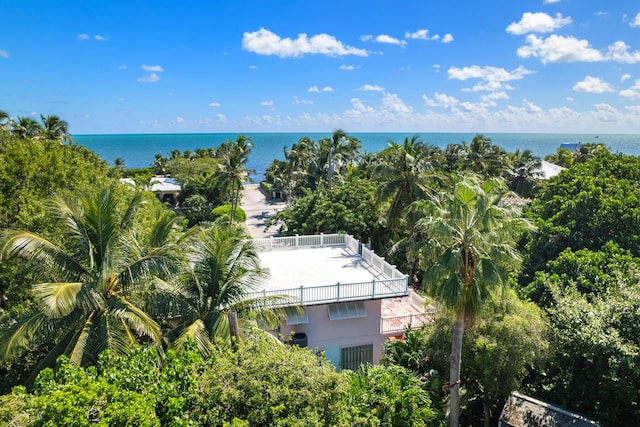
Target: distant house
(165, 188)
(548, 170)
(573, 146)
(352, 300)
(525, 411)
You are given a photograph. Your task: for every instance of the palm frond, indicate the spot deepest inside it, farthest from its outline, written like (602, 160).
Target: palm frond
(196, 331)
(21, 336)
(78, 346)
(135, 319)
(59, 299)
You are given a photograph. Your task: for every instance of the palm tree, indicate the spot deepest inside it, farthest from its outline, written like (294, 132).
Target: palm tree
(103, 282)
(484, 158)
(5, 120)
(468, 256)
(54, 129)
(336, 153)
(25, 128)
(525, 174)
(233, 171)
(226, 267)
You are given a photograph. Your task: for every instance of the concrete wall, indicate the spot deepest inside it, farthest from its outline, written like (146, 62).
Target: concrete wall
(331, 335)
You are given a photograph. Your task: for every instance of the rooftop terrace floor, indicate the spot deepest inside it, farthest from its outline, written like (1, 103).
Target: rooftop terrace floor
(308, 267)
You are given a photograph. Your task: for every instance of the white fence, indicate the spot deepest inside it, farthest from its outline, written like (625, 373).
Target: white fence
(380, 265)
(311, 295)
(315, 241)
(399, 324)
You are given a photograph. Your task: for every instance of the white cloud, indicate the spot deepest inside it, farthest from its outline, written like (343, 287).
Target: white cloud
(493, 77)
(314, 89)
(253, 67)
(4, 54)
(625, 77)
(448, 38)
(267, 103)
(537, 23)
(384, 38)
(122, 67)
(493, 96)
(391, 102)
(297, 100)
(179, 120)
(559, 49)
(221, 117)
(214, 104)
(83, 36)
(348, 67)
(631, 93)
(359, 106)
(635, 22)
(153, 68)
(619, 52)
(551, 1)
(100, 38)
(149, 78)
(570, 99)
(592, 85)
(436, 68)
(371, 88)
(420, 35)
(441, 100)
(265, 42)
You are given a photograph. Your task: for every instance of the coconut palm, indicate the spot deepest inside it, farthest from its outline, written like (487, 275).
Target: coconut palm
(484, 158)
(525, 174)
(5, 120)
(53, 128)
(25, 127)
(468, 255)
(233, 171)
(226, 267)
(104, 281)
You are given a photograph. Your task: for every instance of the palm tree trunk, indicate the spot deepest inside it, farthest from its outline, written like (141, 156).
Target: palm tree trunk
(454, 370)
(486, 408)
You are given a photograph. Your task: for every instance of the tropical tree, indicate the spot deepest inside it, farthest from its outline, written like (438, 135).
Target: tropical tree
(233, 172)
(102, 284)
(485, 158)
(53, 128)
(525, 172)
(25, 127)
(336, 153)
(226, 268)
(5, 120)
(470, 237)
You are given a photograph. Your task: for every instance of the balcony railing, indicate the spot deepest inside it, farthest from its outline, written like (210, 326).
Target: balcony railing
(339, 292)
(398, 324)
(394, 284)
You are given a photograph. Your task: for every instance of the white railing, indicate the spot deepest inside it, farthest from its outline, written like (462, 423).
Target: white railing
(312, 295)
(399, 324)
(380, 265)
(315, 241)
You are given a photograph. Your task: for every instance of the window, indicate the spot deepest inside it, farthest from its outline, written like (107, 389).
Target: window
(297, 316)
(347, 310)
(352, 357)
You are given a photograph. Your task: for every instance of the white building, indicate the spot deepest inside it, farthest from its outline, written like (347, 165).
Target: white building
(352, 299)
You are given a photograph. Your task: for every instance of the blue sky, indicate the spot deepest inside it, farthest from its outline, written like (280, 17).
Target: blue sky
(549, 66)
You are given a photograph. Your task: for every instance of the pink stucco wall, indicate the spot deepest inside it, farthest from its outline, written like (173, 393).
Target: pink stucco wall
(331, 335)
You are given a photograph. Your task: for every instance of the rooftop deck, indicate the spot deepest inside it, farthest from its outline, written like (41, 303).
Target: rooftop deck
(326, 269)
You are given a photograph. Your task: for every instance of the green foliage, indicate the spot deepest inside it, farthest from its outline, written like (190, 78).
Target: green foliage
(390, 395)
(589, 272)
(264, 385)
(594, 356)
(196, 209)
(223, 212)
(348, 208)
(585, 207)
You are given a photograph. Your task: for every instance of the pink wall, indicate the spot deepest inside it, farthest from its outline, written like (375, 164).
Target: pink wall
(330, 335)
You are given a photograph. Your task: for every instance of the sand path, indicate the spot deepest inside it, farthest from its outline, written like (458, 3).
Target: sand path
(258, 210)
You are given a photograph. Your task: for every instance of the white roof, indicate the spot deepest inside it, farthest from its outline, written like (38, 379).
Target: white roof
(158, 184)
(549, 170)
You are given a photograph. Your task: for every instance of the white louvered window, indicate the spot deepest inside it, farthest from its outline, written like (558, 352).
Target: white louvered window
(347, 310)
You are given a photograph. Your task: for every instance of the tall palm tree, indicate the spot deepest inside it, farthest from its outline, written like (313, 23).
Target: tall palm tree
(5, 120)
(468, 256)
(233, 171)
(103, 283)
(484, 158)
(336, 153)
(226, 267)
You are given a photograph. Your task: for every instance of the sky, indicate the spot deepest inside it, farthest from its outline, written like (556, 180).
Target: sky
(513, 66)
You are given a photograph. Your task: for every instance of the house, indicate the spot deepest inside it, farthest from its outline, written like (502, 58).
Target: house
(165, 188)
(525, 411)
(352, 299)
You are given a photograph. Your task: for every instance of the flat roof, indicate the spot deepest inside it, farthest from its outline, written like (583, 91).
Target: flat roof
(309, 267)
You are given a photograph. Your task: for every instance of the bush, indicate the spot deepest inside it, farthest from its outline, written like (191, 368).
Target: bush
(222, 213)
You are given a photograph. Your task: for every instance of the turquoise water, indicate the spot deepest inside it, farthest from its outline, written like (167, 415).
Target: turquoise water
(139, 150)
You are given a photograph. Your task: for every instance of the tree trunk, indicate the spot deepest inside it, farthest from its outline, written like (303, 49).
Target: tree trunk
(486, 408)
(233, 329)
(454, 370)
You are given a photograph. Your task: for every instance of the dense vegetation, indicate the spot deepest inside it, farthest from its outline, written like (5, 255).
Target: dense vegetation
(114, 309)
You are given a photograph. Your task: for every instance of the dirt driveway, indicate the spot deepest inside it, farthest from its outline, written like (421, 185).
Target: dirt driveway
(258, 210)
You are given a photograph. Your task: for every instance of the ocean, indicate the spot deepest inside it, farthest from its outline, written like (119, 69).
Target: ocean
(139, 150)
